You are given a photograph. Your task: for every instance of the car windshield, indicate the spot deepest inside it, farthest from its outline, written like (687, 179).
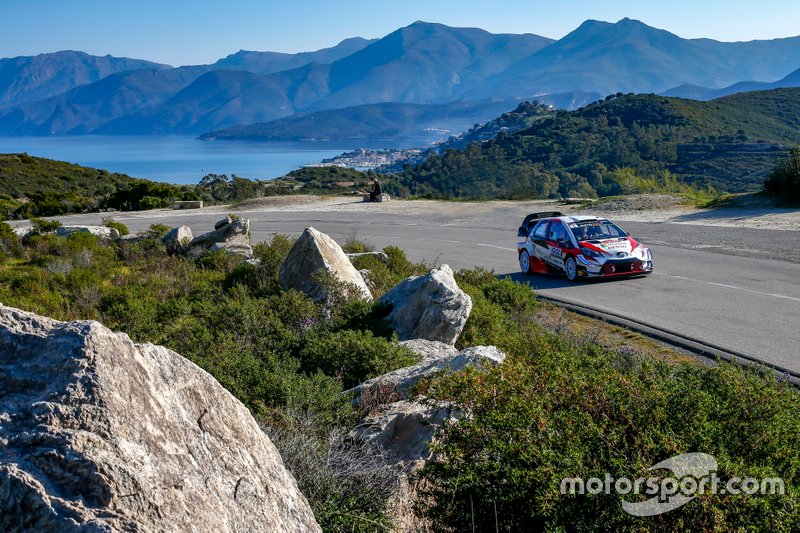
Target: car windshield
(591, 230)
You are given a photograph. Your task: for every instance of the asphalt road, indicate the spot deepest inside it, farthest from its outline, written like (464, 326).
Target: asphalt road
(735, 288)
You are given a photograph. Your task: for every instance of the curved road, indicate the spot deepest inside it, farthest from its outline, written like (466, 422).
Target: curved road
(723, 286)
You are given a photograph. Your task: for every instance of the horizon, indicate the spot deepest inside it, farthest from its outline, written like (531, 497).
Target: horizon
(201, 32)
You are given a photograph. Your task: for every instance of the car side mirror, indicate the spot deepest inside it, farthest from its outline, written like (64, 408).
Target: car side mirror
(522, 231)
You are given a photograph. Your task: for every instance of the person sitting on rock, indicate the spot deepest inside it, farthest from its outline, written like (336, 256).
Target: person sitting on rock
(375, 192)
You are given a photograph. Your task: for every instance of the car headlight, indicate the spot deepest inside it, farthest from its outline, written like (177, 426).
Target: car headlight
(590, 253)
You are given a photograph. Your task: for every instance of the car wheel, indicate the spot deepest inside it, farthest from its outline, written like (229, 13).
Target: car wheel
(525, 262)
(571, 269)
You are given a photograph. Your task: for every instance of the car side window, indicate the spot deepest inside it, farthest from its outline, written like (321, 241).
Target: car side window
(557, 232)
(540, 231)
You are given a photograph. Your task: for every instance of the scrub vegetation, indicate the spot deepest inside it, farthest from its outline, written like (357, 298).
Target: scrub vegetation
(561, 405)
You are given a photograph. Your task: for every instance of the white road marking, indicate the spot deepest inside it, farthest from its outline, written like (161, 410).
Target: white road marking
(498, 247)
(726, 286)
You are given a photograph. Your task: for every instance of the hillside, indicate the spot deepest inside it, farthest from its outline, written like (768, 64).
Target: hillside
(730, 143)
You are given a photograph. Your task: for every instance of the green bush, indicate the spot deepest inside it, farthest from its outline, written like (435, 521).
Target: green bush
(119, 226)
(10, 245)
(156, 231)
(784, 181)
(352, 356)
(42, 226)
(582, 413)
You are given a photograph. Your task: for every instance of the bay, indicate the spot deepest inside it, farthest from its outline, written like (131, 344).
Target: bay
(185, 159)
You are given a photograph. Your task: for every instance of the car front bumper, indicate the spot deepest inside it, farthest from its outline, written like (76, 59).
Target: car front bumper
(614, 267)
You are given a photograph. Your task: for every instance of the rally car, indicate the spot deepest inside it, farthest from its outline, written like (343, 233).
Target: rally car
(580, 247)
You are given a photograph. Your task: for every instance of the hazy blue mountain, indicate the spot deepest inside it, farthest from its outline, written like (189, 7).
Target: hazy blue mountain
(705, 93)
(28, 78)
(216, 99)
(630, 56)
(84, 109)
(270, 62)
(420, 63)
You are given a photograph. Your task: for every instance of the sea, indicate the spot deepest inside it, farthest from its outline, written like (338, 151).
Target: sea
(185, 159)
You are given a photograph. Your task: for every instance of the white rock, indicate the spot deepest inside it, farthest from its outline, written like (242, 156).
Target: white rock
(430, 307)
(403, 380)
(100, 434)
(315, 253)
(177, 239)
(404, 430)
(229, 235)
(430, 350)
(98, 231)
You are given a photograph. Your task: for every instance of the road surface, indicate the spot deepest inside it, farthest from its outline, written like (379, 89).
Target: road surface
(731, 287)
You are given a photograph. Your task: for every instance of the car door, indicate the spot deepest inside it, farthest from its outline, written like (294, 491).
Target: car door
(556, 242)
(539, 240)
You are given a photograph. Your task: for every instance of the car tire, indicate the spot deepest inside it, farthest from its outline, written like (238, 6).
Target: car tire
(571, 268)
(525, 262)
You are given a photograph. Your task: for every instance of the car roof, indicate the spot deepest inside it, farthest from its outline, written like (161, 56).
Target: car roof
(578, 218)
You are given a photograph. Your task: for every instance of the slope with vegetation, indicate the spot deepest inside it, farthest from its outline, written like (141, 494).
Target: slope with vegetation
(731, 144)
(561, 405)
(36, 187)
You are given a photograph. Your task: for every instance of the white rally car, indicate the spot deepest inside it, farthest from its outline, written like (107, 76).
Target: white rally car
(580, 247)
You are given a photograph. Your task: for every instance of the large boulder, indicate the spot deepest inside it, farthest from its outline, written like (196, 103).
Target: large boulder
(98, 231)
(177, 239)
(430, 307)
(230, 235)
(313, 255)
(401, 382)
(100, 434)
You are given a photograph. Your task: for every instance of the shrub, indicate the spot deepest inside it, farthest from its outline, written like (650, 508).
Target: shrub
(576, 411)
(119, 226)
(347, 485)
(42, 226)
(352, 356)
(354, 245)
(10, 245)
(784, 181)
(156, 231)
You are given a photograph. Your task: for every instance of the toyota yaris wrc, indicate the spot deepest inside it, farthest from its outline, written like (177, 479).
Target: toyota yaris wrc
(579, 246)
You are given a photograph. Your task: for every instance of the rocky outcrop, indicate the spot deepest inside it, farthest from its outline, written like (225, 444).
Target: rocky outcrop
(314, 255)
(403, 380)
(430, 307)
(177, 239)
(231, 235)
(98, 231)
(100, 434)
(403, 430)
(430, 350)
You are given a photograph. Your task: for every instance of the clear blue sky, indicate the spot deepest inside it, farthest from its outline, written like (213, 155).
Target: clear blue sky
(182, 32)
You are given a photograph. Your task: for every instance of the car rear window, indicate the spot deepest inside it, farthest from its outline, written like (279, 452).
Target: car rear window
(540, 231)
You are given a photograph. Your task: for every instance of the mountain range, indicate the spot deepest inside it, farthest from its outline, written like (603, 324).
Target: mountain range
(423, 63)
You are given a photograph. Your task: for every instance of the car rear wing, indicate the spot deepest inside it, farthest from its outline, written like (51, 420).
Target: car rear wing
(529, 220)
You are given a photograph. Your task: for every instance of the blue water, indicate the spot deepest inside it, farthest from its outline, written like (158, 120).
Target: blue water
(184, 159)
